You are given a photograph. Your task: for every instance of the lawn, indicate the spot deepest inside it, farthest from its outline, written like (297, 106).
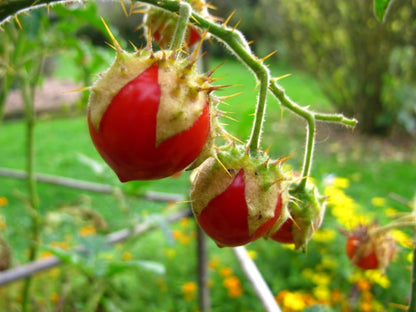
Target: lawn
(63, 148)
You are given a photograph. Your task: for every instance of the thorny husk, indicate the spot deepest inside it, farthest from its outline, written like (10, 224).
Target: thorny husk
(264, 181)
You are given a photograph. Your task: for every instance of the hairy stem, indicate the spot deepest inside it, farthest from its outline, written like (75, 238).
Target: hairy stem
(180, 30)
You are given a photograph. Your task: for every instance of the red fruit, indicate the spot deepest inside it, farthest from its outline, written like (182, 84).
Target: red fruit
(365, 262)
(149, 116)
(307, 210)
(284, 234)
(240, 205)
(369, 248)
(162, 24)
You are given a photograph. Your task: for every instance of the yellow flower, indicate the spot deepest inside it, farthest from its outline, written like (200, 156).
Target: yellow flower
(184, 222)
(54, 298)
(378, 201)
(3, 201)
(294, 301)
(87, 230)
(126, 256)
(252, 254)
(402, 238)
(214, 263)
(375, 276)
(225, 272)
(61, 245)
(341, 182)
(233, 285)
(189, 290)
(324, 235)
(322, 293)
(3, 224)
(55, 272)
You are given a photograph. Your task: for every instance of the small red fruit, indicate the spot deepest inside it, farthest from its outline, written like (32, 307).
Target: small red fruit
(162, 24)
(307, 209)
(239, 204)
(149, 115)
(369, 248)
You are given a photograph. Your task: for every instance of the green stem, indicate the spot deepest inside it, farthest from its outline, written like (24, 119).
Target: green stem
(28, 84)
(11, 7)
(185, 11)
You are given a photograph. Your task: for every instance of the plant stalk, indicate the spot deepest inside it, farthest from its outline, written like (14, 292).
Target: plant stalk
(185, 11)
(28, 84)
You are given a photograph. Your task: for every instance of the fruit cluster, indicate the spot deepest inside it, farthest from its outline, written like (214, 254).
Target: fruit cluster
(152, 115)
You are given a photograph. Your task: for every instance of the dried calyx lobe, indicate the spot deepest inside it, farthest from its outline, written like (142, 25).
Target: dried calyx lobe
(265, 196)
(180, 99)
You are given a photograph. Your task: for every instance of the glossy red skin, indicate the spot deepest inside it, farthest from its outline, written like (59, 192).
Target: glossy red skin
(284, 234)
(126, 138)
(369, 262)
(224, 219)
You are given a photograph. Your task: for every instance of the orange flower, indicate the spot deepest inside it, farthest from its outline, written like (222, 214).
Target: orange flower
(3, 201)
(189, 290)
(363, 284)
(87, 230)
(225, 272)
(126, 256)
(233, 285)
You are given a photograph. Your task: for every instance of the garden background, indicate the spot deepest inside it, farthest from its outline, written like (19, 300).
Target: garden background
(340, 59)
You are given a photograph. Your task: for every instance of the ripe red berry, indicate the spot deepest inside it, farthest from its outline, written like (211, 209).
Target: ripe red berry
(369, 248)
(307, 209)
(240, 202)
(149, 115)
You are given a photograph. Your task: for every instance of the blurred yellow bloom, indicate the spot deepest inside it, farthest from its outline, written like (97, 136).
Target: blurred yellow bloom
(233, 285)
(341, 182)
(322, 293)
(375, 276)
(391, 212)
(366, 307)
(294, 301)
(170, 253)
(378, 201)
(225, 272)
(54, 298)
(184, 222)
(54, 273)
(189, 290)
(402, 238)
(3, 224)
(343, 208)
(180, 237)
(252, 254)
(410, 257)
(61, 245)
(3, 201)
(87, 230)
(329, 262)
(324, 235)
(214, 263)
(46, 254)
(126, 256)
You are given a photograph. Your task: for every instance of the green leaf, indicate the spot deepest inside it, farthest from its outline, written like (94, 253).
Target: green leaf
(381, 8)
